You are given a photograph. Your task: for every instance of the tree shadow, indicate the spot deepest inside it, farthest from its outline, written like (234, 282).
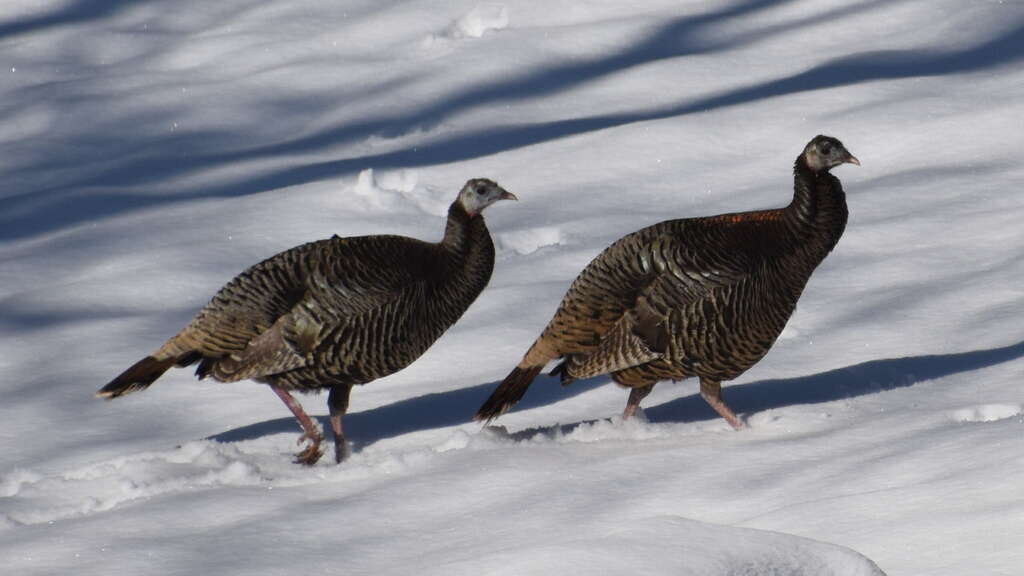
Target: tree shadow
(52, 208)
(683, 36)
(457, 406)
(73, 13)
(865, 67)
(1003, 50)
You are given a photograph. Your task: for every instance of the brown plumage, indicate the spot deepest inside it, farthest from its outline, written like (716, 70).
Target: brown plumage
(704, 297)
(334, 313)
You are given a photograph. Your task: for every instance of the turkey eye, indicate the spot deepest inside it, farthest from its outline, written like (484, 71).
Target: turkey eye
(825, 147)
(480, 190)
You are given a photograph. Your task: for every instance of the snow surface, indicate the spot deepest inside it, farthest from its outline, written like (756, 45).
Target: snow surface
(152, 150)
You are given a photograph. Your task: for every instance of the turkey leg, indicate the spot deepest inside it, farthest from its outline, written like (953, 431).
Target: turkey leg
(635, 396)
(338, 403)
(712, 392)
(311, 432)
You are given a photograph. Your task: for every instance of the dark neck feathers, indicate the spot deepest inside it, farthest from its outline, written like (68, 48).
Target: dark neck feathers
(468, 246)
(818, 210)
(462, 229)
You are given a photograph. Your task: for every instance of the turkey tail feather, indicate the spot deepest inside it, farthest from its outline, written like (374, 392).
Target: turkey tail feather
(138, 377)
(508, 393)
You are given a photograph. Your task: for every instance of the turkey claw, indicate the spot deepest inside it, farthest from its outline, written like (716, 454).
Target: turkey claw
(312, 453)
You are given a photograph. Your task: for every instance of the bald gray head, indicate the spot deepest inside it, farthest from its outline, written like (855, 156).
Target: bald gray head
(479, 193)
(825, 152)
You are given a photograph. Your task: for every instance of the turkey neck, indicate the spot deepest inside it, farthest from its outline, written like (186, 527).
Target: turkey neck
(468, 250)
(817, 214)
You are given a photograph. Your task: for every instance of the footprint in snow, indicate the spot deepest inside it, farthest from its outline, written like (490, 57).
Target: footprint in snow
(478, 21)
(529, 240)
(27, 497)
(986, 413)
(473, 24)
(398, 191)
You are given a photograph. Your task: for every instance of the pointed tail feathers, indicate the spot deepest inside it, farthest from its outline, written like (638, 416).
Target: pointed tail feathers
(508, 393)
(138, 377)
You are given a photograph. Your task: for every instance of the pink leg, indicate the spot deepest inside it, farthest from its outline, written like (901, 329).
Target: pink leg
(635, 396)
(712, 393)
(311, 432)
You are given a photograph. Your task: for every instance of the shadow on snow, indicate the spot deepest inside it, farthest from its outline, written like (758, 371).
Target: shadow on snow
(415, 414)
(75, 13)
(457, 406)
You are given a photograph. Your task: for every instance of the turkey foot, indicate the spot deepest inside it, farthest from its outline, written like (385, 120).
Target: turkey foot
(310, 431)
(312, 453)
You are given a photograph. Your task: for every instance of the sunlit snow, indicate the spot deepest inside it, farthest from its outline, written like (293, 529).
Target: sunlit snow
(150, 151)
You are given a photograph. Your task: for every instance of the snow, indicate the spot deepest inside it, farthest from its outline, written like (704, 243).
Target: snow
(529, 240)
(480, 19)
(151, 151)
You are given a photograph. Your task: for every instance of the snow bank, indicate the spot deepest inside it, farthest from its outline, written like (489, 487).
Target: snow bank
(672, 545)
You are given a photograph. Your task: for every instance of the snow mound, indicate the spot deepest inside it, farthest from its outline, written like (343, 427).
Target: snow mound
(529, 240)
(986, 412)
(479, 20)
(396, 190)
(640, 546)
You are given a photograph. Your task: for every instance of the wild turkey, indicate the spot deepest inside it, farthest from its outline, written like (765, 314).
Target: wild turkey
(334, 313)
(704, 297)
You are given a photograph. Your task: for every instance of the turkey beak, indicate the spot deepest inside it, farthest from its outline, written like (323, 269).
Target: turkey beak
(506, 195)
(852, 160)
